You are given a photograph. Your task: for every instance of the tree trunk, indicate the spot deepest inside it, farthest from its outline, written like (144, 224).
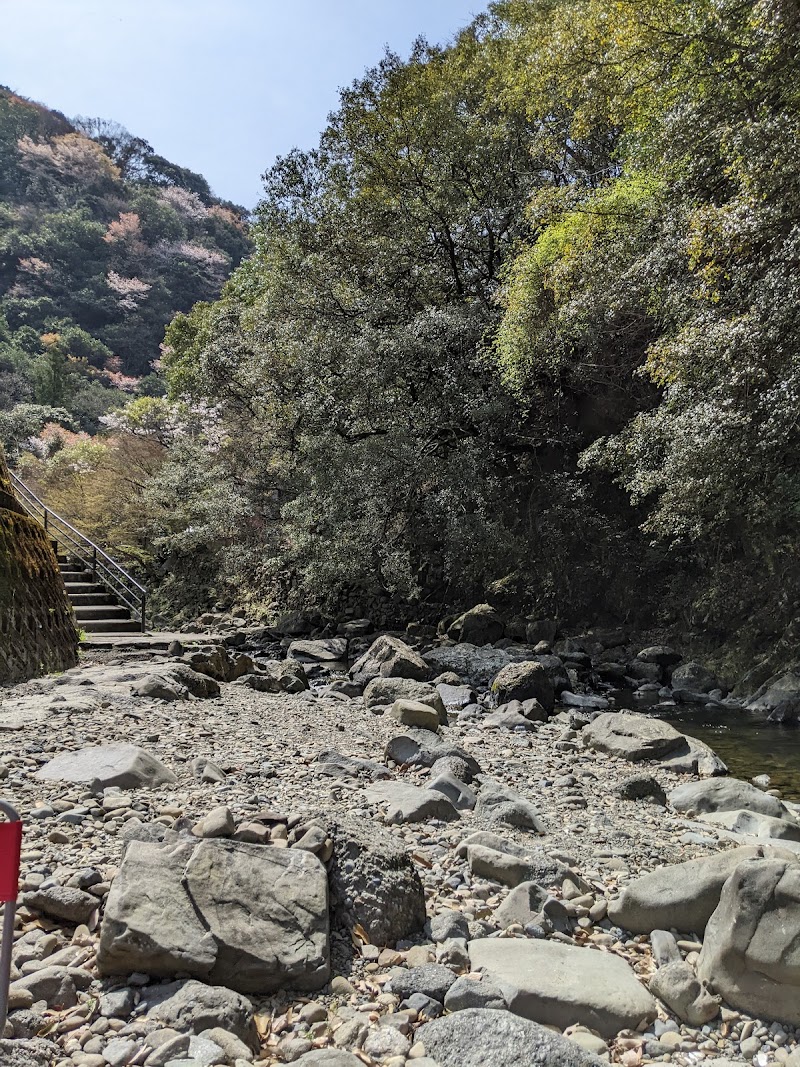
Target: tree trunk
(37, 628)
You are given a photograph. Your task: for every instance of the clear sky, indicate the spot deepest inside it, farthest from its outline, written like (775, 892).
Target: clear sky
(221, 86)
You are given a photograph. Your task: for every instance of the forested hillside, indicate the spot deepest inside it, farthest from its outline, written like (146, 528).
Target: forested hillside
(101, 242)
(522, 327)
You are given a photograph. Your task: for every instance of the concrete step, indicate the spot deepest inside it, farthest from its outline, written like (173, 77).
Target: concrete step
(110, 626)
(84, 599)
(100, 611)
(83, 587)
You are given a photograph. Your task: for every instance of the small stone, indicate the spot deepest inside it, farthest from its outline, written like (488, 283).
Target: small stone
(385, 1043)
(217, 823)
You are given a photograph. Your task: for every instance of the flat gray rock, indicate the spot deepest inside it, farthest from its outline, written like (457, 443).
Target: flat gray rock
(485, 1037)
(468, 993)
(559, 985)
(339, 766)
(491, 857)
(409, 803)
(751, 824)
(323, 651)
(421, 748)
(62, 902)
(124, 766)
(724, 794)
(177, 682)
(632, 737)
(381, 692)
(522, 905)
(455, 697)
(498, 803)
(193, 1006)
(252, 918)
(457, 792)
(640, 737)
(329, 1057)
(431, 979)
(682, 895)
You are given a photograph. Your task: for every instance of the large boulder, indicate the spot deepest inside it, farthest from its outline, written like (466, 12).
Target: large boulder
(102, 766)
(374, 883)
(252, 918)
(694, 677)
(632, 737)
(775, 691)
(216, 662)
(639, 737)
(481, 625)
(528, 680)
(490, 1037)
(662, 655)
(389, 657)
(683, 895)
(724, 794)
(476, 666)
(559, 985)
(751, 951)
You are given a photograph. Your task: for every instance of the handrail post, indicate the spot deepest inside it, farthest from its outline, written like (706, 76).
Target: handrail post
(46, 513)
(143, 607)
(94, 562)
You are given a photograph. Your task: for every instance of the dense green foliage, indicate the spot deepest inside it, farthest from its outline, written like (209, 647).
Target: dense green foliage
(101, 242)
(524, 325)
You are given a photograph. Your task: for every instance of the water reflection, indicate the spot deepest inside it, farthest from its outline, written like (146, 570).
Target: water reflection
(748, 745)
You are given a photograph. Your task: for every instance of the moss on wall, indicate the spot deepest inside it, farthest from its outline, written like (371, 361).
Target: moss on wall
(37, 628)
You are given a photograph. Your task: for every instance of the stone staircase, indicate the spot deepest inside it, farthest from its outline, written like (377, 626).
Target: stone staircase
(105, 598)
(97, 610)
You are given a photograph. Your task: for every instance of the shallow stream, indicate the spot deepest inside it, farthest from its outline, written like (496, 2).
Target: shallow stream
(749, 745)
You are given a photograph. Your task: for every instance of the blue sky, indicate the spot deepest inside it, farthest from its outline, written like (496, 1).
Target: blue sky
(221, 86)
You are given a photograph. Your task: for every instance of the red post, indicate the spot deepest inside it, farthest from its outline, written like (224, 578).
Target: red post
(10, 848)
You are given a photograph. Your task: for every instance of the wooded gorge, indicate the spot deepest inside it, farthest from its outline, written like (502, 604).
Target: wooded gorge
(523, 327)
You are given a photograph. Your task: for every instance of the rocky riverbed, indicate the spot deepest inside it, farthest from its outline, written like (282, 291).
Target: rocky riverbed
(464, 855)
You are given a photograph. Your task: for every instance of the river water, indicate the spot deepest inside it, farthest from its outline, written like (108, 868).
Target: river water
(749, 745)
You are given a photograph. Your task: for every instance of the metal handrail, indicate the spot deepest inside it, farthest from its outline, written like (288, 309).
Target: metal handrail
(122, 585)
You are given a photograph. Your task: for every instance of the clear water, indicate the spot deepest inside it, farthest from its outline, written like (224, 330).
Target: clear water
(748, 745)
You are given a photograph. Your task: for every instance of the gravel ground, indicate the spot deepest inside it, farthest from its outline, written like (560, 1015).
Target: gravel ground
(267, 745)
